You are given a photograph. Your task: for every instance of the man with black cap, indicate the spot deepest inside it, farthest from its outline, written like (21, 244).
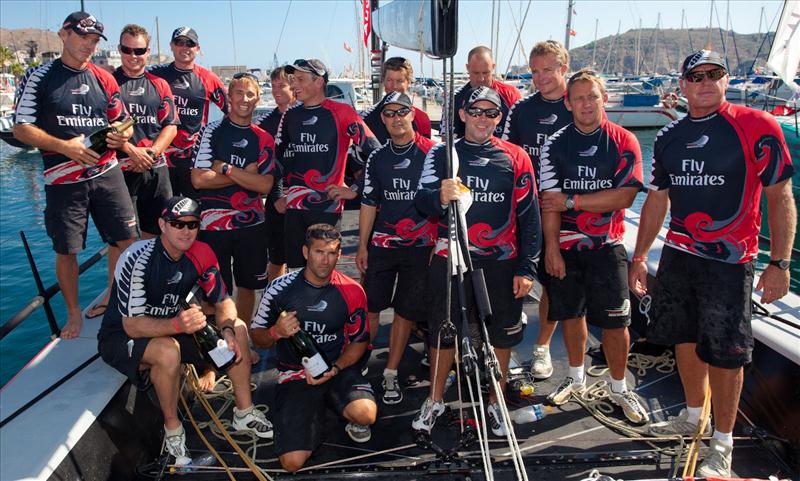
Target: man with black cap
(709, 170)
(59, 105)
(194, 89)
(395, 238)
(144, 327)
(311, 146)
(503, 234)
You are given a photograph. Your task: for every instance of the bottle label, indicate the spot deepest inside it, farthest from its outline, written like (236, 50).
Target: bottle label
(315, 365)
(221, 355)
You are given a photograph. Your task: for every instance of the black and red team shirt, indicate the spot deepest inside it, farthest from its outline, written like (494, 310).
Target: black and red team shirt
(311, 148)
(148, 282)
(66, 103)
(149, 100)
(270, 121)
(233, 207)
(508, 93)
(503, 221)
(372, 117)
(574, 162)
(715, 168)
(531, 121)
(194, 90)
(334, 314)
(390, 184)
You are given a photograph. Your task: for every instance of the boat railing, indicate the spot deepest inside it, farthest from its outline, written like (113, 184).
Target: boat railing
(45, 293)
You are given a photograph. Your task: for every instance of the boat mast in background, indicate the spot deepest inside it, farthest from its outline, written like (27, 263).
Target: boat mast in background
(568, 33)
(594, 45)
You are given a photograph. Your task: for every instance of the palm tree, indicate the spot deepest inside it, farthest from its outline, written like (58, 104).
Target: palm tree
(6, 58)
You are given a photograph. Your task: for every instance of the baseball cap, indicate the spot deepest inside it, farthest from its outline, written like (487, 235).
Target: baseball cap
(176, 207)
(83, 23)
(311, 65)
(483, 93)
(187, 32)
(702, 57)
(398, 98)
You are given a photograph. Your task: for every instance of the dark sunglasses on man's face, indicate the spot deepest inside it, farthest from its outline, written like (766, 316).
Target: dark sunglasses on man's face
(713, 75)
(135, 51)
(179, 224)
(184, 43)
(476, 112)
(402, 112)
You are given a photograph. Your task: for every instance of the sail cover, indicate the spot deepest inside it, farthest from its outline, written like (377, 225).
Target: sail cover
(785, 54)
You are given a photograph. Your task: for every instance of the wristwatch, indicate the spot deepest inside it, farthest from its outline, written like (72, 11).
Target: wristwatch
(570, 202)
(782, 264)
(226, 169)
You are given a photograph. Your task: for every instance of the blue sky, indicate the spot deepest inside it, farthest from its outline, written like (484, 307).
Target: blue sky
(319, 28)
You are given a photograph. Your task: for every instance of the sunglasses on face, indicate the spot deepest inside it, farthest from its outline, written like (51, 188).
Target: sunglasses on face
(476, 112)
(402, 112)
(713, 75)
(132, 51)
(184, 43)
(179, 224)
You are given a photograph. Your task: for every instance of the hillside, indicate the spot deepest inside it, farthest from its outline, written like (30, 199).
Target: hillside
(17, 39)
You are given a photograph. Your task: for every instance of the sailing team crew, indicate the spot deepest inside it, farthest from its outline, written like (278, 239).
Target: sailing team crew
(561, 172)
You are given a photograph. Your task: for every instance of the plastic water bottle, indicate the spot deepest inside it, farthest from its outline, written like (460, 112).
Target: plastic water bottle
(530, 414)
(451, 379)
(205, 459)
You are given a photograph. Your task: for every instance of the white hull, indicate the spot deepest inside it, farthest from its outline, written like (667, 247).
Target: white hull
(641, 117)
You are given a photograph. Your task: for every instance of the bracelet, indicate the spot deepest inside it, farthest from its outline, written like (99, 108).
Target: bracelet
(639, 259)
(274, 335)
(178, 328)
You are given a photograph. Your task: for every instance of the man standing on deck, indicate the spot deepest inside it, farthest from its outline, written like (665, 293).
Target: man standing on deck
(480, 67)
(591, 172)
(395, 238)
(59, 105)
(503, 237)
(398, 74)
(709, 169)
(331, 307)
(145, 328)
(312, 144)
(194, 88)
(531, 121)
(276, 200)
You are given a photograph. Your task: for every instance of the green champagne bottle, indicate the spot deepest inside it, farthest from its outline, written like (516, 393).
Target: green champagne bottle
(97, 141)
(314, 360)
(211, 345)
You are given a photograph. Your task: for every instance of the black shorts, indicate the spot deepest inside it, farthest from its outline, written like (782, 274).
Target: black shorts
(247, 248)
(149, 190)
(408, 266)
(296, 223)
(705, 302)
(300, 408)
(113, 348)
(275, 235)
(505, 330)
(66, 216)
(180, 177)
(596, 286)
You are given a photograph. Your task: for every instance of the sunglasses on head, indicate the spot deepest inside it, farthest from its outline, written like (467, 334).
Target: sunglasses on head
(239, 75)
(132, 51)
(713, 75)
(476, 112)
(305, 64)
(402, 112)
(180, 224)
(184, 43)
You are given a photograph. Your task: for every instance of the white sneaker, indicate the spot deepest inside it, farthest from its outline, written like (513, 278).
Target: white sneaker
(426, 417)
(360, 433)
(717, 463)
(392, 394)
(176, 446)
(256, 422)
(630, 405)
(677, 425)
(496, 420)
(542, 365)
(562, 393)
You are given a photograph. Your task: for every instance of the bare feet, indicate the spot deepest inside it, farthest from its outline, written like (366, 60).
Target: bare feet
(207, 380)
(72, 328)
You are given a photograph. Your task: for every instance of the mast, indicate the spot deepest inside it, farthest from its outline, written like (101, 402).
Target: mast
(680, 48)
(638, 47)
(710, 22)
(655, 47)
(594, 45)
(158, 42)
(569, 24)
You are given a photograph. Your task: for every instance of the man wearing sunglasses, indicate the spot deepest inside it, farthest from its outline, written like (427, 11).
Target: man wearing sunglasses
(503, 232)
(397, 74)
(395, 239)
(480, 67)
(709, 169)
(144, 327)
(312, 147)
(194, 89)
(58, 106)
(531, 121)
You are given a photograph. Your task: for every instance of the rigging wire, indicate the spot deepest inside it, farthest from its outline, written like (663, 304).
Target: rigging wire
(280, 35)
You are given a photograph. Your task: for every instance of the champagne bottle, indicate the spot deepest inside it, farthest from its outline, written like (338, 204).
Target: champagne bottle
(314, 360)
(212, 346)
(97, 141)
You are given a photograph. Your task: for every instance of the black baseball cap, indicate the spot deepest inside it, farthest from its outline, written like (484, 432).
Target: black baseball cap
(83, 23)
(483, 93)
(177, 207)
(311, 65)
(398, 98)
(186, 32)
(702, 57)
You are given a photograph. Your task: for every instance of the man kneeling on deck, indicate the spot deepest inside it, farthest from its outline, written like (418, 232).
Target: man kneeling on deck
(144, 327)
(331, 307)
